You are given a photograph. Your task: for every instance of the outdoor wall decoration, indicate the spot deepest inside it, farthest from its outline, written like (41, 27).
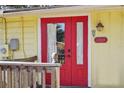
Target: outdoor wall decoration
(100, 39)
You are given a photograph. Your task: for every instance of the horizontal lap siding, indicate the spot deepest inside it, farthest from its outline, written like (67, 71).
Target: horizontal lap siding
(107, 58)
(14, 28)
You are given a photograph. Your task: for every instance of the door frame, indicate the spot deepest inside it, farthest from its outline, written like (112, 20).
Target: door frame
(89, 42)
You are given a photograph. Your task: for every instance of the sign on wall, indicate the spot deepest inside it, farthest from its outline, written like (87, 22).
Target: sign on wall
(100, 39)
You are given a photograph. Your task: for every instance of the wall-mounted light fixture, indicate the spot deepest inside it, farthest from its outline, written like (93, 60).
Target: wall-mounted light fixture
(100, 26)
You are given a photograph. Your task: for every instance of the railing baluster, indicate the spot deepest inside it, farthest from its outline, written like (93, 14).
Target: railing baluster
(19, 77)
(4, 76)
(34, 78)
(53, 78)
(39, 77)
(0, 76)
(25, 77)
(16, 77)
(8, 77)
(43, 78)
(22, 77)
(29, 76)
(13, 76)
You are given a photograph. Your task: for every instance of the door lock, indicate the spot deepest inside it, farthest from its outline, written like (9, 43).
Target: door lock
(68, 55)
(69, 50)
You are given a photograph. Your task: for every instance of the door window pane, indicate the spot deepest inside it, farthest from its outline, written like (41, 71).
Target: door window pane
(60, 41)
(79, 43)
(56, 41)
(51, 33)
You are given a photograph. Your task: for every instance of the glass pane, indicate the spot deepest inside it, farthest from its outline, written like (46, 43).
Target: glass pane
(60, 41)
(51, 33)
(56, 41)
(79, 43)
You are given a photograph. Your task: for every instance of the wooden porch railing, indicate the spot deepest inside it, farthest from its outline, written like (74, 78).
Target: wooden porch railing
(28, 74)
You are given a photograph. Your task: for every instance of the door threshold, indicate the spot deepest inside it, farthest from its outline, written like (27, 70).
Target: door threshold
(72, 87)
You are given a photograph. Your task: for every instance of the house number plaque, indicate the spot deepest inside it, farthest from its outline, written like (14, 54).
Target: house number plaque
(100, 39)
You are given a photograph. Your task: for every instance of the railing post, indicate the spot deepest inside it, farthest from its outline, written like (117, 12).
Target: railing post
(55, 77)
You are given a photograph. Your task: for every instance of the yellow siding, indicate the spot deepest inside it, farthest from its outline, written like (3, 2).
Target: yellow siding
(14, 30)
(107, 58)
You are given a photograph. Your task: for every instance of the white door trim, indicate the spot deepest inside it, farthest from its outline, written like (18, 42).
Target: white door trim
(39, 40)
(89, 44)
(89, 51)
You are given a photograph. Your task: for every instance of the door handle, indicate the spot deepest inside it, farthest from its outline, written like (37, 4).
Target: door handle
(69, 50)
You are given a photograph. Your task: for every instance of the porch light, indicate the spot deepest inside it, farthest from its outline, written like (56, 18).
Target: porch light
(100, 26)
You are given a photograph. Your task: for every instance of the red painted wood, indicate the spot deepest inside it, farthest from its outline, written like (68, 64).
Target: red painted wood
(80, 71)
(43, 40)
(100, 39)
(71, 74)
(65, 77)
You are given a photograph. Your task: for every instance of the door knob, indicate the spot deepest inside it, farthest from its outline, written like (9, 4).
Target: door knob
(68, 55)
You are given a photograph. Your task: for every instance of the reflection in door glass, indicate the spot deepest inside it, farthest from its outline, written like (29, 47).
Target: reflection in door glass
(60, 30)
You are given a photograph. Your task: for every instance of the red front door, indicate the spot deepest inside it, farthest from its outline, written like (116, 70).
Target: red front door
(71, 41)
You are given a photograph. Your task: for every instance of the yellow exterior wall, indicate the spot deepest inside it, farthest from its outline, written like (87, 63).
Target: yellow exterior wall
(107, 63)
(15, 26)
(108, 57)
